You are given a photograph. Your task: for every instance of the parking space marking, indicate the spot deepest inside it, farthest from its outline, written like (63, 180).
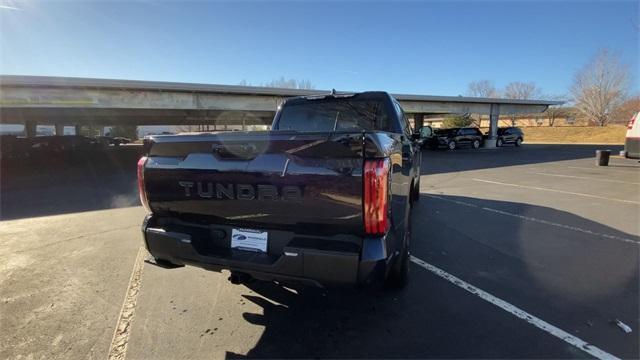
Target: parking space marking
(587, 178)
(532, 219)
(118, 348)
(516, 311)
(608, 168)
(557, 191)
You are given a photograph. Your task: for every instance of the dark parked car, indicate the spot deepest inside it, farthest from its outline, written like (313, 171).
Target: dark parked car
(323, 198)
(509, 135)
(109, 140)
(14, 147)
(119, 140)
(103, 141)
(46, 146)
(453, 138)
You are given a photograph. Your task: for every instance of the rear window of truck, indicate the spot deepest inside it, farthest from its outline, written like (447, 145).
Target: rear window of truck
(334, 114)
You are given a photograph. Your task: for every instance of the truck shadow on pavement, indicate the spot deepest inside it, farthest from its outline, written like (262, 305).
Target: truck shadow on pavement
(444, 161)
(576, 281)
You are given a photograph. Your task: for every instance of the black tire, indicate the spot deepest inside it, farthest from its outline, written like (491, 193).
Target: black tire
(414, 192)
(452, 145)
(476, 144)
(499, 142)
(399, 273)
(519, 142)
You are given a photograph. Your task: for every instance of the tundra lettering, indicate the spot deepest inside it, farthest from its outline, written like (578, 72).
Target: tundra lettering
(242, 191)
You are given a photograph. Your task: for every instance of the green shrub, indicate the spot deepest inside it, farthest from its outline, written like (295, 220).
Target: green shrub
(457, 121)
(128, 131)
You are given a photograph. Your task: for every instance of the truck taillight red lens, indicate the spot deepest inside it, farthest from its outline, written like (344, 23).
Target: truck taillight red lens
(633, 120)
(376, 196)
(141, 189)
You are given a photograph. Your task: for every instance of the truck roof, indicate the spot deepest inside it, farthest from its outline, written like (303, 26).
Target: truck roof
(365, 95)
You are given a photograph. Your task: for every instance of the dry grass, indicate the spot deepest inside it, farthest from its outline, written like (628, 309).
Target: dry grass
(612, 134)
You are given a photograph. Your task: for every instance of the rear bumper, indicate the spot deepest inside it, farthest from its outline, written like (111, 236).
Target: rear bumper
(304, 264)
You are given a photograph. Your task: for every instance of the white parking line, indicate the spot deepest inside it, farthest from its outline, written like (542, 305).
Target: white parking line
(118, 348)
(557, 191)
(608, 168)
(587, 178)
(532, 219)
(516, 311)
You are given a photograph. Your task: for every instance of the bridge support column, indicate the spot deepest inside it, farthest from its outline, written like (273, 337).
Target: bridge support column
(30, 128)
(77, 127)
(418, 121)
(490, 142)
(59, 129)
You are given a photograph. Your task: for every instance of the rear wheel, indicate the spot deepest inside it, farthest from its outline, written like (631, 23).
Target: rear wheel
(399, 273)
(451, 145)
(518, 141)
(499, 142)
(414, 192)
(476, 144)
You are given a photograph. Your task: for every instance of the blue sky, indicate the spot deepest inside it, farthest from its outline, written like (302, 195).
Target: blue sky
(408, 47)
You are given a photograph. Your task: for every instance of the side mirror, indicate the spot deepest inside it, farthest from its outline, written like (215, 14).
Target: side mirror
(425, 132)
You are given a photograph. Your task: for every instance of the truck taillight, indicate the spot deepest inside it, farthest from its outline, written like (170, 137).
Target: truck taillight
(376, 196)
(141, 189)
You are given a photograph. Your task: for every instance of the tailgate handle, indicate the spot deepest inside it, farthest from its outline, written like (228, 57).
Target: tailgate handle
(235, 151)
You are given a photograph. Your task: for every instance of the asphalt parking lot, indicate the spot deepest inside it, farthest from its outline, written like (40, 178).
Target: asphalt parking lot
(519, 253)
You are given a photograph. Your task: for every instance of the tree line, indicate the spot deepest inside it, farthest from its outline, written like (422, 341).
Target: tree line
(599, 92)
(284, 84)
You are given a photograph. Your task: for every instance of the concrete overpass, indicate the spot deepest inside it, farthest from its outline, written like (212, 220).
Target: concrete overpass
(59, 101)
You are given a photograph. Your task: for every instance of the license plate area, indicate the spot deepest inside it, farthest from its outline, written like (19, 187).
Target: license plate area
(249, 240)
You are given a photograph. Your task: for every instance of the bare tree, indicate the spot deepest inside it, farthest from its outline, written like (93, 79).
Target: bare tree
(522, 91)
(600, 87)
(482, 88)
(284, 83)
(553, 112)
(626, 110)
(290, 84)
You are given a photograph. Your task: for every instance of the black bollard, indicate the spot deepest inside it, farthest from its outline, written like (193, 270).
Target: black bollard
(602, 157)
